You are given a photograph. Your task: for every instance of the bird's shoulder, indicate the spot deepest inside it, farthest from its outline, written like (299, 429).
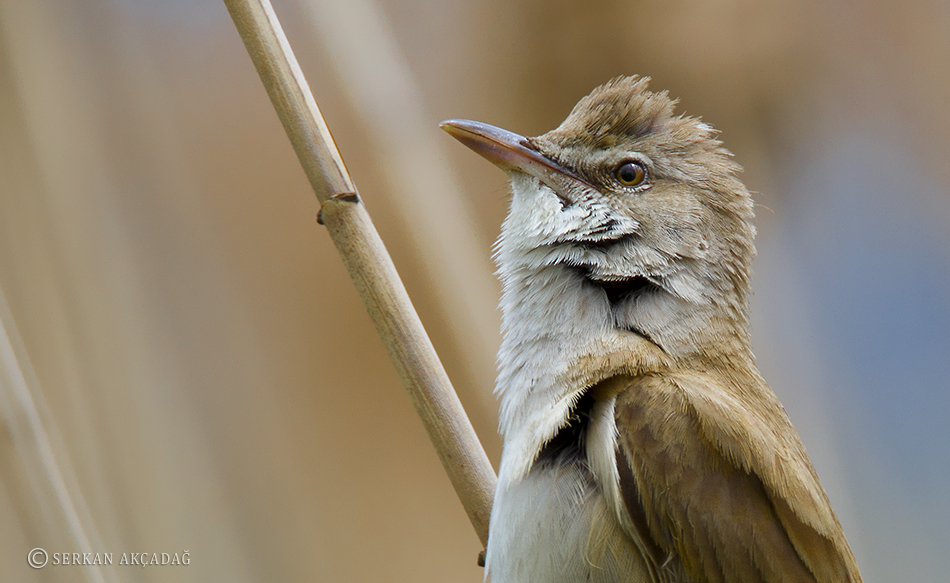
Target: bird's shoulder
(718, 480)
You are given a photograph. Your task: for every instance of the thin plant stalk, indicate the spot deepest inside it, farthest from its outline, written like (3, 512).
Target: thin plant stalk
(41, 463)
(368, 262)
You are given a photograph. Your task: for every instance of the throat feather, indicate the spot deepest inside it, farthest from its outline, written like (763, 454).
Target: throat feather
(621, 288)
(618, 290)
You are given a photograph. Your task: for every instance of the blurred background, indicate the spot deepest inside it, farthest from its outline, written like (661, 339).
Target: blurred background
(186, 365)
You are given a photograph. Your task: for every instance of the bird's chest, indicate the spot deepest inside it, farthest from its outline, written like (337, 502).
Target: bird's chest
(559, 523)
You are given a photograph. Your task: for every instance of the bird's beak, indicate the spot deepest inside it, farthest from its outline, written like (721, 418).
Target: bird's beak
(509, 151)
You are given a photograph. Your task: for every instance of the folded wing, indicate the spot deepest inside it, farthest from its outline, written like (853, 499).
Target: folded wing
(719, 488)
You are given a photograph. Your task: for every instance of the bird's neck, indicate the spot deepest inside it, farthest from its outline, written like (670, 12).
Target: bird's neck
(560, 338)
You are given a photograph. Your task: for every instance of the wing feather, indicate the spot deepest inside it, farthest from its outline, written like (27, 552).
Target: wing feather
(723, 485)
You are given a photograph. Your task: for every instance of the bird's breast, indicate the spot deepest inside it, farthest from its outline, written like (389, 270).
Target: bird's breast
(560, 522)
(555, 526)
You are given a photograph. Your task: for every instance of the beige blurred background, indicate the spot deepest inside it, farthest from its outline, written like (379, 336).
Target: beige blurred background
(187, 367)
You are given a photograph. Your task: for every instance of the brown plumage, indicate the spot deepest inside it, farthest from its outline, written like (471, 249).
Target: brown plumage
(641, 442)
(724, 483)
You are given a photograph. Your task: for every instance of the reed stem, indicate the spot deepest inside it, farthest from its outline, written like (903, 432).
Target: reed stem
(368, 262)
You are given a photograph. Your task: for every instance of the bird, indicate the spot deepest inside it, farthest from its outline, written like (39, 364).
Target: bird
(640, 442)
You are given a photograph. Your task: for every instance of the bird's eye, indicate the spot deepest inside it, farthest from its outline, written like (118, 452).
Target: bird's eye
(631, 174)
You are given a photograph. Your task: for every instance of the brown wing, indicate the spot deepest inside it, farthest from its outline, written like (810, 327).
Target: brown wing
(722, 483)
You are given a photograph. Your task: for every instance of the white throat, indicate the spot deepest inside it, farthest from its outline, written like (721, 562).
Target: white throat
(562, 334)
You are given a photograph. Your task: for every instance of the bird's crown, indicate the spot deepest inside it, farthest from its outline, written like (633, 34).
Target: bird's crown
(620, 109)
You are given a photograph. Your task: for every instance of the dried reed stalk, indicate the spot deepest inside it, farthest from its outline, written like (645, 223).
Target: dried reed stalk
(368, 262)
(50, 503)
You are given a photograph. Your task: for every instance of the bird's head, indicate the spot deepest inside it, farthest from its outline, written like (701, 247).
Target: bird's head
(629, 212)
